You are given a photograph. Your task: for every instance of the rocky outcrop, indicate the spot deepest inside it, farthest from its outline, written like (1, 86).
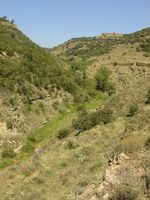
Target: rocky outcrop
(3, 53)
(122, 172)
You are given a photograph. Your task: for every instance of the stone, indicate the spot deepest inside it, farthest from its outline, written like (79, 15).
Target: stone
(106, 196)
(123, 157)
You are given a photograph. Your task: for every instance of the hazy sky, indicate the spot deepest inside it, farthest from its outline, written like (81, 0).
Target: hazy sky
(51, 22)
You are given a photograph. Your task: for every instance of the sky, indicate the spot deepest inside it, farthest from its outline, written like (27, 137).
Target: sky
(52, 22)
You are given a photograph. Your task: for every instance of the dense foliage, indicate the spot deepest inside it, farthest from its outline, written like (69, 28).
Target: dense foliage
(25, 67)
(103, 82)
(87, 120)
(89, 47)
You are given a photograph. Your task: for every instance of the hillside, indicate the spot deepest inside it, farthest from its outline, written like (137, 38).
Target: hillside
(85, 111)
(101, 44)
(33, 83)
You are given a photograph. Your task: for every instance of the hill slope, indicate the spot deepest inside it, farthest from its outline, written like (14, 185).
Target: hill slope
(32, 81)
(98, 144)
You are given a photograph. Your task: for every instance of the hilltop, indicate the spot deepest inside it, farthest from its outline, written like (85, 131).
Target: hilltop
(75, 120)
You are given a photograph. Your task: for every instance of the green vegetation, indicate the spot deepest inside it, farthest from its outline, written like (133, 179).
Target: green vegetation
(40, 136)
(147, 143)
(6, 162)
(94, 47)
(32, 77)
(103, 82)
(62, 133)
(132, 110)
(8, 153)
(87, 120)
(148, 97)
(27, 69)
(9, 123)
(125, 192)
(146, 46)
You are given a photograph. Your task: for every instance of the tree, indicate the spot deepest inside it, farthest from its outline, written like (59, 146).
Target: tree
(4, 17)
(102, 78)
(12, 21)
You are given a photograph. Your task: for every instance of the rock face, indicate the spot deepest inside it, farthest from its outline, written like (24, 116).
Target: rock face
(112, 174)
(122, 172)
(3, 53)
(125, 175)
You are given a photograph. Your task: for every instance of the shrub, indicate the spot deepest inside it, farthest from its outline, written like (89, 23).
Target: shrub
(110, 89)
(105, 115)
(86, 120)
(147, 143)
(8, 153)
(62, 133)
(10, 53)
(132, 143)
(9, 124)
(81, 107)
(147, 184)
(55, 105)
(124, 193)
(12, 101)
(115, 63)
(29, 146)
(69, 87)
(132, 110)
(71, 145)
(42, 107)
(103, 82)
(102, 78)
(27, 108)
(148, 97)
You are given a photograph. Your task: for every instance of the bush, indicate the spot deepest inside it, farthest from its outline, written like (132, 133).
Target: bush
(86, 120)
(9, 124)
(147, 143)
(132, 143)
(103, 82)
(71, 145)
(8, 153)
(102, 78)
(81, 107)
(132, 110)
(29, 146)
(124, 193)
(55, 105)
(12, 101)
(110, 89)
(115, 63)
(83, 122)
(105, 115)
(62, 133)
(148, 97)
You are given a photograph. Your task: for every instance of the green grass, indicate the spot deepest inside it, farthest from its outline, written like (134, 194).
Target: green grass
(100, 98)
(5, 162)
